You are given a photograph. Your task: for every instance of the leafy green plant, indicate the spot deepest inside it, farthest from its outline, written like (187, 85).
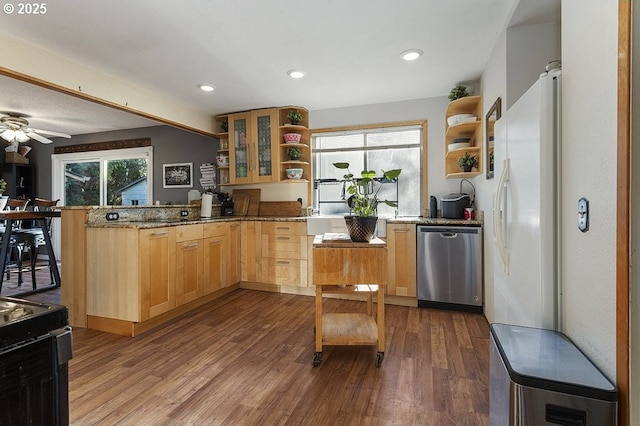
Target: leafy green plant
(468, 161)
(295, 117)
(293, 152)
(224, 126)
(3, 186)
(363, 194)
(459, 91)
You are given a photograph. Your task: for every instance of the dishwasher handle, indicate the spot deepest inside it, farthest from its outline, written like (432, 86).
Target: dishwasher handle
(448, 234)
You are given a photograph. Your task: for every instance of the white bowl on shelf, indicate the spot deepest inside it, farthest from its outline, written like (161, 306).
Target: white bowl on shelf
(460, 118)
(294, 173)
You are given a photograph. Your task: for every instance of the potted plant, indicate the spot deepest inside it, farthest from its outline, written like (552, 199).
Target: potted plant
(363, 200)
(295, 117)
(294, 153)
(459, 91)
(467, 162)
(224, 125)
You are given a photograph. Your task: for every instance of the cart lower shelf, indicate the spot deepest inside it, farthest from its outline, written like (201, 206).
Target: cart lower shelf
(349, 329)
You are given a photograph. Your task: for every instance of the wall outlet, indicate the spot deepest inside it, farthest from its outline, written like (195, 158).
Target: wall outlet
(112, 216)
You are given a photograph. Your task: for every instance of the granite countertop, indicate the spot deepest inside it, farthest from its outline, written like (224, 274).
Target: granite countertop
(142, 217)
(145, 224)
(439, 221)
(161, 223)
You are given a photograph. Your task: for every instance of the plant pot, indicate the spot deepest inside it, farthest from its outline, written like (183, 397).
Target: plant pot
(3, 202)
(467, 169)
(293, 158)
(361, 229)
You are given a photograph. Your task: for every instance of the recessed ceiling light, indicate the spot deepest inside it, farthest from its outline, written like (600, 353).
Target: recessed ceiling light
(296, 73)
(206, 87)
(411, 54)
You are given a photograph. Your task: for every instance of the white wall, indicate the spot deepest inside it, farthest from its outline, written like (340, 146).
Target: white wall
(589, 63)
(529, 49)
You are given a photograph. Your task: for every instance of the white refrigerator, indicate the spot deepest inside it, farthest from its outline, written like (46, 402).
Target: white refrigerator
(526, 214)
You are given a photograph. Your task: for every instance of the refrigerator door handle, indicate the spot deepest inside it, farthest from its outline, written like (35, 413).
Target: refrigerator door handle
(499, 216)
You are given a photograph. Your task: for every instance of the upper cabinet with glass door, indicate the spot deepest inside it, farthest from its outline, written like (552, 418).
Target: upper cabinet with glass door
(253, 142)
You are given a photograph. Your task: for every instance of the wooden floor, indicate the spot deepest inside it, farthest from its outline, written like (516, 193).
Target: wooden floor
(11, 286)
(246, 359)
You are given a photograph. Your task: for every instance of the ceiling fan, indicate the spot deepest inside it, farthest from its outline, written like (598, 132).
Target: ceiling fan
(14, 128)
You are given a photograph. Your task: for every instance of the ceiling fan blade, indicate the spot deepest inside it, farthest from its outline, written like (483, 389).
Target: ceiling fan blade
(38, 137)
(49, 133)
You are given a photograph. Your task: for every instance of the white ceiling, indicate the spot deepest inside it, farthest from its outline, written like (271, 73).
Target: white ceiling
(349, 48)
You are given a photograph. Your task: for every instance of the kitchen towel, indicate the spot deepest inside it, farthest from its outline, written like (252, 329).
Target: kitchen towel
(205, 207)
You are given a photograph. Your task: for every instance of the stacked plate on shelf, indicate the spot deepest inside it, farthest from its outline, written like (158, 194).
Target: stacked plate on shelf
(459, 143)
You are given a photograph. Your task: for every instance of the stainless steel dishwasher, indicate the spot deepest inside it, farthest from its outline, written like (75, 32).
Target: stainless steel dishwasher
(450, 267)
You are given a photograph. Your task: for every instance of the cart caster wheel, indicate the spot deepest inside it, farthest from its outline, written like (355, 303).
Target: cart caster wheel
(317, 357)
(379, 358)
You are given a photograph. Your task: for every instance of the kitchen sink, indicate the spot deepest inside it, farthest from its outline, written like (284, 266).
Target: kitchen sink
(317, 225)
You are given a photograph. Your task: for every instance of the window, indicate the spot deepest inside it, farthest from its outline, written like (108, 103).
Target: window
(377, 148)
(113, 177)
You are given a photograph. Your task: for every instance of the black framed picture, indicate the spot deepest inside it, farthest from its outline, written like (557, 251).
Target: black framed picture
(177, 175)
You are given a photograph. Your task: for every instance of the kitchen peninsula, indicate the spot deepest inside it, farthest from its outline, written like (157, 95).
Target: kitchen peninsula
(129, 269)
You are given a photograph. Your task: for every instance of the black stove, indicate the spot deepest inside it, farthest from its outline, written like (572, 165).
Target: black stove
(35, 348)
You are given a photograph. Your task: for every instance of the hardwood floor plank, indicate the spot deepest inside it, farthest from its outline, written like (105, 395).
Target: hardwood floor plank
(246, 359)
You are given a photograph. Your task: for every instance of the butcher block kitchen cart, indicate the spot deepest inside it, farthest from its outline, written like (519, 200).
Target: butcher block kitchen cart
(344, 267)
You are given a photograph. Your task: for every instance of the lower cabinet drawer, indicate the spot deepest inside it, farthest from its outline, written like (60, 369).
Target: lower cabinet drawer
(290, 272)
(284, 246)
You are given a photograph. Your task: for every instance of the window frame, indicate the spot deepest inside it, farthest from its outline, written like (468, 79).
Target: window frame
(57, 175)
(388, 126)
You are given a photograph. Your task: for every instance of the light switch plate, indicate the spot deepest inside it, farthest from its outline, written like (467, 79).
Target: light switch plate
(583, 214)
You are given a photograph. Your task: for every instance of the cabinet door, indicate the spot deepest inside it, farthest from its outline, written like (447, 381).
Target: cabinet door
(157, 271)
(265, 145)
(239, 126)
(189, 267)
(401, 250)
(253, 146)
(233, 263)
(214, 263)
(251, 250)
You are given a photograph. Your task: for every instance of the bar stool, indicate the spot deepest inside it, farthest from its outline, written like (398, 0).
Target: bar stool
(15, 204)
(33, 238)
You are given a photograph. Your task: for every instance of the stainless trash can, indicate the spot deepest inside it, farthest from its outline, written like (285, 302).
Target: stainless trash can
(539, 377)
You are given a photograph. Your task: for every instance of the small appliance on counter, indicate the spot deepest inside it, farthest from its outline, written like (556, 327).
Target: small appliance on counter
(453, 205)
(433, 207)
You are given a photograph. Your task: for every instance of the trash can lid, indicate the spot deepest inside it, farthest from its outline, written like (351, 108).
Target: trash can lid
(455, 196)
(547, 359)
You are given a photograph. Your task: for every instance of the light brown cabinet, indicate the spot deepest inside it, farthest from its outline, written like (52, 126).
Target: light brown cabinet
(221, 255)
(189, 259)
(471, 130)
(253, 146)
(401, 260)
(136, 275)
(156, 252)
(232, 266)
(284, 251)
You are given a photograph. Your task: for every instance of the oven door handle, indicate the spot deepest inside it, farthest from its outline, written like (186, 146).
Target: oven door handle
(64, 344)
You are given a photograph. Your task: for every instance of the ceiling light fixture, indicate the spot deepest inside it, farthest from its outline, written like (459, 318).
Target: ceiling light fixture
(296, 73)
(11, 135)
(206, 87)
(411, 54)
